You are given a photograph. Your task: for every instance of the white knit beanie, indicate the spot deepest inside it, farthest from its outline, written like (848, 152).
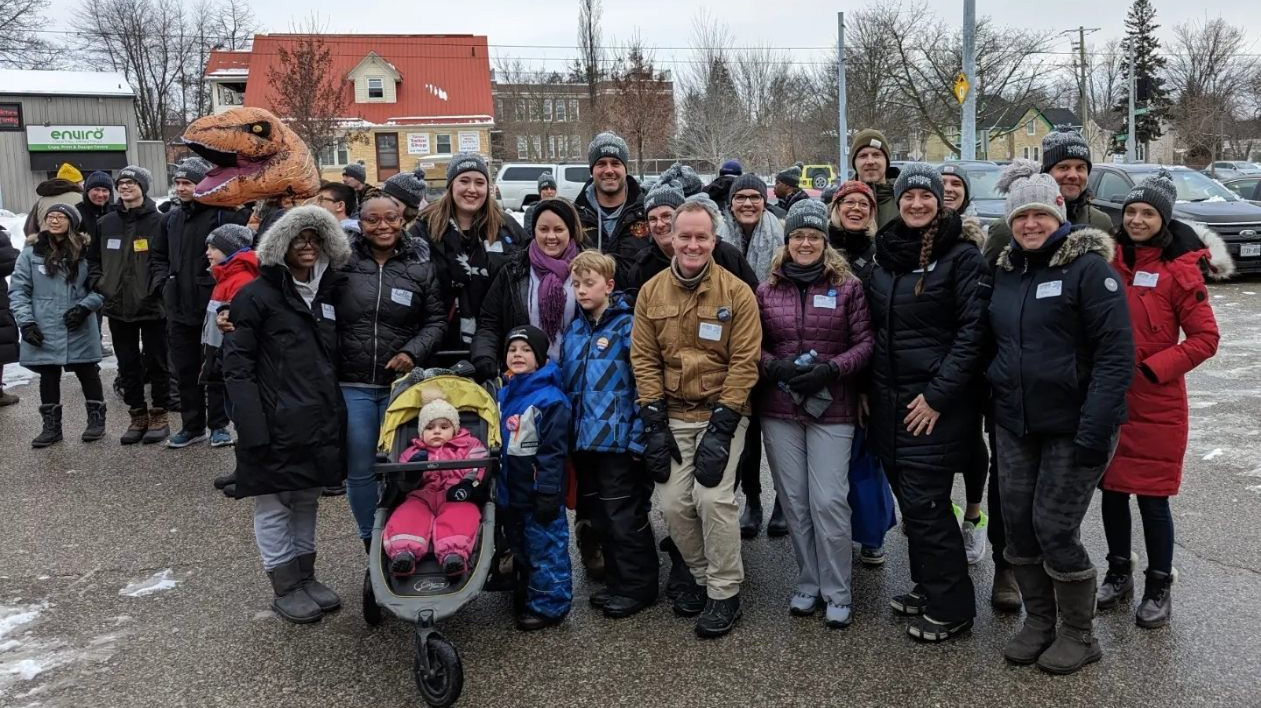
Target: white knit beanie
(1029, 189)
(435, 409)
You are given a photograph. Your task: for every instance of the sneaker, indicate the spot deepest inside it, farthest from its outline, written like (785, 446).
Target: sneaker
(974, 538)
(692, 601)
(802, 605)
(871, 557)
(838, 616)
(184, 438)
(403, 565)
(334, 491)
(220, 437)
(927, 629)
(958, 513)
(911, 603)
(718, 618)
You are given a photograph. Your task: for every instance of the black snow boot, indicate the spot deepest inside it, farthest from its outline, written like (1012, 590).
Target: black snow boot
(751, 518)
(1118, 583)
(321, 593)
(1005, 593)
(718, 618)
(96, 422)
(778, 525)
(1038, 632)
(292, 603)
(224, 480)
(588, 541)
(51, 413)
(1075, 645)
(680, 579)
(1157, 605)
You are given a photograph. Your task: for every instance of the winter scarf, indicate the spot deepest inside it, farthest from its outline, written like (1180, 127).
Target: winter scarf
(852, 244)
(803, 276)
(689, 283)
(759, 249)
(309, 289)
(551, 273)
(898, 245)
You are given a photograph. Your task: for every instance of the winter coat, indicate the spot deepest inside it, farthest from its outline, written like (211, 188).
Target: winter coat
(123, 252)
(44, 299)
(652, 260)
(1166, 294)
(280, 367)
(858, 248)
(828, 318)
(230, 276)
(929, 344)
(464, 446)
(90, 216)
(630, 235)
(507, 305)
(177, 259)
(534, 422)
(1064, 353)
(886, 205)
(787, 202)
(8, 326)
(1079, 211)
(595, 361)
(385, 310)
(720, 191)
(53, 191)
(758, 249)
(696, 348)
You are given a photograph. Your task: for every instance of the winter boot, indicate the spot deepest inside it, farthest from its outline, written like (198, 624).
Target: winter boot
(292, 603)
(159, 429)
(778, 526)
(51, 413)
(96, 422)
(1075, 644)
(1038, 631)
(7, 399)
(680, 579)
(589, 549)
(1118, 583)
(718, 617)
(1005, 594)
(317, 591)
(751, 518)
(224, 480)
(1157, 603)
(139, 424)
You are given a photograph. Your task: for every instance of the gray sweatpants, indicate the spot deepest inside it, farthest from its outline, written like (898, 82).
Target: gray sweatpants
(810, 466)
(284, 525)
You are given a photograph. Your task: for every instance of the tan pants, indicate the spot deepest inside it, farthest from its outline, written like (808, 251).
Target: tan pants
(705, 522)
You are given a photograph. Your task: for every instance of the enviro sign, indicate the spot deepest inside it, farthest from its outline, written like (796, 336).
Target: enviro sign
(76, 138)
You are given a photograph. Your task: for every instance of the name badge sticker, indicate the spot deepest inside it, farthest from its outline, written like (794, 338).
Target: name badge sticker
(1143, 279)
(329, 312)
(827, 302)
(400, 296)
(140, 245)
(114, 244)
(43, 270)
(711, 331)
(1050, 289)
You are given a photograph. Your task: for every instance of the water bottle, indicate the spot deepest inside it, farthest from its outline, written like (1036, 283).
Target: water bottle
(802, 362)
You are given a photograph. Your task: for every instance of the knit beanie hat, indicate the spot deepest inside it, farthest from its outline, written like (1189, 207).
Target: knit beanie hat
(919, 175)
(854, 186)
(69, 211)
(419, 172)
(1059, 146)
(192, 169)
(962, 174)
(466, 162)
(806, 214)
(685, 177)
(829, 192)
(98, 179)
(230, 238)
(664, 194)
(532, 336)
(70, 173)
(137, 174)
(547, 180)
(790, 176)
(1158, 191)
(406, 188)
(607, 144)
(731, 167)
(436, 409)
(564, 210)
(747, 181)
(869, 138)
(356, 170)
(1027, 189)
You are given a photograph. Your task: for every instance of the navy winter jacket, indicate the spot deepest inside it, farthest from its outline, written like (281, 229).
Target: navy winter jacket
(534, 422)
(601, 385)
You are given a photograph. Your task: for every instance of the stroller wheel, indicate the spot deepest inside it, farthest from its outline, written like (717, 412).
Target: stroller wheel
(443, 682)
(371, 611)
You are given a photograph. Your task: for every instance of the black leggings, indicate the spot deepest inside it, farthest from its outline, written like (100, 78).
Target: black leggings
(976, 473)
(1157, 528)
(50, 381)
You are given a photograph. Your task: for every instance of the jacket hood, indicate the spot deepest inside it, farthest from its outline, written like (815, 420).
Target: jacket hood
(275, 242)
(525, 384)
(147, 207)
(1221, 265)
(53, 187)
(243, 260)
(1077, 243)
(973, 232)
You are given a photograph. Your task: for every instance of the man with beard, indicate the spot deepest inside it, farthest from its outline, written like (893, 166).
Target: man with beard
(611, 205)
(869, 156)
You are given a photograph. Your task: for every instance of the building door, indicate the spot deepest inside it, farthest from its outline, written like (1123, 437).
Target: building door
(387, 155)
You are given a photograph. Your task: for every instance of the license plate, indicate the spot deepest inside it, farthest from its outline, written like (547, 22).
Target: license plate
(1249, 250)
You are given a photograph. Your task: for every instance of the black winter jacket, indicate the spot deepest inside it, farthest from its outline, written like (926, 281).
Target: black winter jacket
(1064, 349)
(653, 260)
(505, 307)
(177, 262)
(630, 235)
(8, 325)
(123, 252)
(90, 214)
(384, 310)
(930, 344)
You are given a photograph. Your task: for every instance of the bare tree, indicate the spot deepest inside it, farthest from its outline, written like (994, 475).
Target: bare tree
(210, 25)
(714, 126)
(1210, 75)
(532, 102)
(310, 98)
(20, 46)
(642, 107)
(589, 66)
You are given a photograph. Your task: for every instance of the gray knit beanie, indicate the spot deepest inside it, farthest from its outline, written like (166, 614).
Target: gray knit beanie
(790, 176)
(406, 188)
(745, 181)
(1059, 146)
(357, 171)
(962, 174)
(829, 193)
(1028, 189)
(192, 169)
(607, 144)
(806, 214)
(546, 180)
(685, 177)
(230, 238)
(137, 174)
(466, 162)
(664, 194)
(1158, 191)
(919, 175)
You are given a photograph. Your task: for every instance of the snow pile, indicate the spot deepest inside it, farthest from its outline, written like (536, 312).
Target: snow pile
(24, 656)
(158, 582)
(13, 223)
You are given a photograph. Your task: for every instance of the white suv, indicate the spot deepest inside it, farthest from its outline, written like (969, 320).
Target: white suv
(517, 184)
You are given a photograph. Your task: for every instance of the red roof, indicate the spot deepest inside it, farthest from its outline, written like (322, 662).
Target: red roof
(227, 62)
(442, 75)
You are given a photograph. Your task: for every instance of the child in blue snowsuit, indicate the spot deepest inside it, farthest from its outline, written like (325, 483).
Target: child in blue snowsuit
(534, 421)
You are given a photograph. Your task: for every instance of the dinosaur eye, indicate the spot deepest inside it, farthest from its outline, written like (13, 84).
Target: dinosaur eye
(260, 129)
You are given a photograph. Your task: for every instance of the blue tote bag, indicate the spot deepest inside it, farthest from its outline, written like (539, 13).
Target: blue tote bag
(870, 498)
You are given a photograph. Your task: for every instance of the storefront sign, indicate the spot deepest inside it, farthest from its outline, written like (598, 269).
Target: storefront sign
(76, 138)
(418, 143)
(10, 116)
(470, 141)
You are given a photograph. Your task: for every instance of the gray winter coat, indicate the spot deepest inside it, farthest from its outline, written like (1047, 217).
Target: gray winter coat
(44, 300)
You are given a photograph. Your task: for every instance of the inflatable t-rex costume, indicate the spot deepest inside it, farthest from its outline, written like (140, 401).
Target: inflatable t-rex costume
(256, 156)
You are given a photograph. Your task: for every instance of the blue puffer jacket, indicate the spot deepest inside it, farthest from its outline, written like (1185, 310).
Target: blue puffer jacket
(534, 422)
(600, 382)
(44, 299)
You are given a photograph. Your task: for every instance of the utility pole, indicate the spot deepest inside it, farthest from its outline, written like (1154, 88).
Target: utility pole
(842, 125)
(1132, 138)
(967, 129)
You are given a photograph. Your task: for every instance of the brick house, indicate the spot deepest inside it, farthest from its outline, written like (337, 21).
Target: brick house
(411, 99)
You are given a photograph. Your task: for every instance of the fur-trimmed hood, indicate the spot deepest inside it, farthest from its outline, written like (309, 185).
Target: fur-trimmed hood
(333, 242)
(1077, 243)
(973, 232)
(1221, 265)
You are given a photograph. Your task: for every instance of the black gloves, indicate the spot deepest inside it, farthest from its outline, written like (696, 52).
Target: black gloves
(32, 335)
(546, 507)
(1087, 457)
(814, 379)
(781, 370)
(659, 444)
(486, 369)
(461, 492)
(715, 447)
(76, 316)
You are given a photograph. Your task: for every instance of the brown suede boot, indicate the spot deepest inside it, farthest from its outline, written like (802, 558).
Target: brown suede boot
(159, 429)
(139, 425)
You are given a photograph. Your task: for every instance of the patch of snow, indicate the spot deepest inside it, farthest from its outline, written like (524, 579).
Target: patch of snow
(158, 582)
(13, 223)
(1255, 488)
(1200, 404)
(437, 91)
(1249, 292)
(65, 83)
(13, 617)
(1217, 452)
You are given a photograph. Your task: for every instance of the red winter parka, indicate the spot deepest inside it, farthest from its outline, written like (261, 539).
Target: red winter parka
(1166, 294)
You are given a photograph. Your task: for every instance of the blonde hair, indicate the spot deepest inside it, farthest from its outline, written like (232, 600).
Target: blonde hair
(835, 267)
(595, 262)
(489, 220)
(834, 218)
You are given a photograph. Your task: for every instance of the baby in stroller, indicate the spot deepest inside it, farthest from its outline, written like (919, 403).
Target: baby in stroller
(442, 514)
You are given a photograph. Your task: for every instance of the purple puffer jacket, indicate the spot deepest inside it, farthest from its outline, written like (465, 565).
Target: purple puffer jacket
(792, 324)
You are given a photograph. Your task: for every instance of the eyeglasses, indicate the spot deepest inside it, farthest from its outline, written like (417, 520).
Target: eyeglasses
(301, 242)
(862, 204)
(747, 199)
(323, 199)
(389, 219)
(807, 237)
(55, 216)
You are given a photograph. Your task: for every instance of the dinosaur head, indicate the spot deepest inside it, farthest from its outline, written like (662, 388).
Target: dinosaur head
(256, 156)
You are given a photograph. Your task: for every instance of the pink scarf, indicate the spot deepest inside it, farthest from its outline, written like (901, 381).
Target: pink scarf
(551, 273)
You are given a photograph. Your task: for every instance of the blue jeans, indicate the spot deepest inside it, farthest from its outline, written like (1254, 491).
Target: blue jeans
(365, 407)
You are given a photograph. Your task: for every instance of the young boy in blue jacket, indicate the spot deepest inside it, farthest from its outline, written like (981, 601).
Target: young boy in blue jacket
(534, 421)
(595, 359)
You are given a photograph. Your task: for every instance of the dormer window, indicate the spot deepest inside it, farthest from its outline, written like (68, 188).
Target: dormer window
(376, 87)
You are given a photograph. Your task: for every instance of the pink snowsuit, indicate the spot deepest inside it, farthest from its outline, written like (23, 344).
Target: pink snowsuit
(426, 517)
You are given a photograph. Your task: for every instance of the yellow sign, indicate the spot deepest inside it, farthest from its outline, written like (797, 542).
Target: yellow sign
(961, 87)
(140, 245)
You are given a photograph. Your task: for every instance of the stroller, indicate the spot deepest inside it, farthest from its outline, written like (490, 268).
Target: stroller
(428, 595)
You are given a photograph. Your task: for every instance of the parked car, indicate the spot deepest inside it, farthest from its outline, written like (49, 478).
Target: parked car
(817, 176)
(1230, 169)
(517, 183)
(1201, 199)
(1246, 187)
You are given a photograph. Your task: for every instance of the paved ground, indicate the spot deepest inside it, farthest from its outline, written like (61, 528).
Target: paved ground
(83, 524)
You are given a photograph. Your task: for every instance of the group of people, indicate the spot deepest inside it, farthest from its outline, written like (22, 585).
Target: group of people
(656, 342)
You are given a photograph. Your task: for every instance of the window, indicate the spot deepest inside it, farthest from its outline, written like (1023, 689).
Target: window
(523, 148)
(1031, 128)
(547, 109)
(522, 173)
(536, 142)
(1036, 150)
(338, 154)
(576, 147)
(444, 143)
(1112, 188)
(1026, 152)
(535, 111)
(577, 174)
(551, 147)
(521, 110)
(387, 155)
(573, 109)
(376, 87)
(499, 110)
(560, 110)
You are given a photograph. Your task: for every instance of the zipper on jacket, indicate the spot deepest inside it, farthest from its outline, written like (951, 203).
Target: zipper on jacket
(376, 320)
